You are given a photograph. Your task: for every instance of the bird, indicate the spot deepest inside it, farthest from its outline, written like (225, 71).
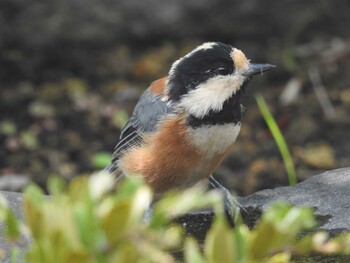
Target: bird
(185, 123)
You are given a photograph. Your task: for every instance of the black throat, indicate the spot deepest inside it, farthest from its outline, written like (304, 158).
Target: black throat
(232, 112)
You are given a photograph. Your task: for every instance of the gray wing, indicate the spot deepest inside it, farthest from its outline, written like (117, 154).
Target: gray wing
(147, 113)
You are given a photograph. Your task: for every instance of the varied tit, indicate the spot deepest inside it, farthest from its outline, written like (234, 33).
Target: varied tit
(185, 123)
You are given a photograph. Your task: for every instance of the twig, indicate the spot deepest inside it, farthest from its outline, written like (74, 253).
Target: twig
(321, 92)
(329, 52)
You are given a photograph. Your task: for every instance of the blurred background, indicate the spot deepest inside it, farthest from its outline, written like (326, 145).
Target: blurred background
(71, 72)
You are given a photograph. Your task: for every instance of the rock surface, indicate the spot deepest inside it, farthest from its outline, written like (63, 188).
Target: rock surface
(327, 194)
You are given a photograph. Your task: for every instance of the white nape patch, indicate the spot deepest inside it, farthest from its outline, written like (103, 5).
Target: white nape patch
(211, 95)
(204, 46)
(214, 139)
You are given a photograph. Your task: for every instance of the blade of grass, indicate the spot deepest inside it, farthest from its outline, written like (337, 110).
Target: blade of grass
(278, 137)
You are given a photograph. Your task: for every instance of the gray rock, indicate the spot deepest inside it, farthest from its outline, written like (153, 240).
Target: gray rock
(327, 194)
(14, 182)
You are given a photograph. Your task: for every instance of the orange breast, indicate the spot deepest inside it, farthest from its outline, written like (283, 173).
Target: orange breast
(167, 160)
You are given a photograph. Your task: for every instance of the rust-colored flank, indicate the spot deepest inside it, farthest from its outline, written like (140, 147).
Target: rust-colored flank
(166, 159)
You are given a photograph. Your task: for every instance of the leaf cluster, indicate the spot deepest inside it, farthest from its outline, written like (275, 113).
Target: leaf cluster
(88, 221)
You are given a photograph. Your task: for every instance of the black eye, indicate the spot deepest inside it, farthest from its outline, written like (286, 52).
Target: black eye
(223, 70)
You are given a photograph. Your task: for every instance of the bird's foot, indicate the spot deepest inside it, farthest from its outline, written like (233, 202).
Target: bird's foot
(231, 205)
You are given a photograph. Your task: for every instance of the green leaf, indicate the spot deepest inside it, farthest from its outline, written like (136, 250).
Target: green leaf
(8, 128)
(12, 225)
(29, 140)
(279, 258)
(86, 223)
(32, 208)
(186, 201)
(129, 187)
(14, 255)
(101, 159)
(114, 219)
(90, 223)
(278, 228)
(55, 185)
(78, 190)
(192, 253)
(126, 253)
(120, 118)
(40, 109)
(83, 209)
(35, 193)
(242, 236)
(219, 243)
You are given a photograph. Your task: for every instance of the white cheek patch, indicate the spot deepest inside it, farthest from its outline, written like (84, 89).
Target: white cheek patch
(212, 140)
(211, 95)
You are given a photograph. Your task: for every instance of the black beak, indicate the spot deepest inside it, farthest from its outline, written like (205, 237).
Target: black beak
(255, 69)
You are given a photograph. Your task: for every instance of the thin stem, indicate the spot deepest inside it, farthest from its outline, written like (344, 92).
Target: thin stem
(279, 139)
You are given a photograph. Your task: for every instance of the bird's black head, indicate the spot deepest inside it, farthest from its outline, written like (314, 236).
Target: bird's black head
(209, 78)
(201, 64)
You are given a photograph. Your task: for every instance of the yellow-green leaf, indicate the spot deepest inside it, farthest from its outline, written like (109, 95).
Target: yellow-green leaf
(219, 243)
(192, 253)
